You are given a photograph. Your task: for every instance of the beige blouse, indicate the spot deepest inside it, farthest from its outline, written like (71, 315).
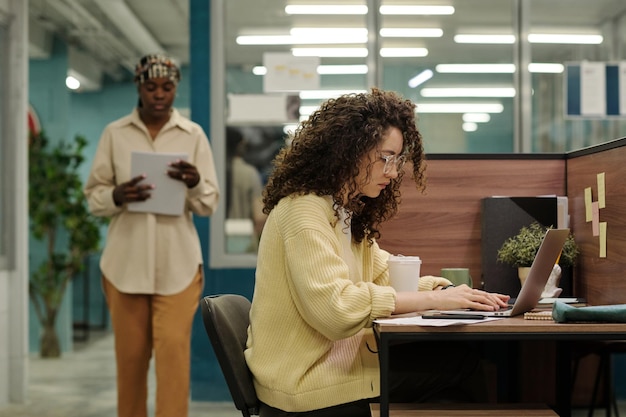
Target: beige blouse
(149, 253)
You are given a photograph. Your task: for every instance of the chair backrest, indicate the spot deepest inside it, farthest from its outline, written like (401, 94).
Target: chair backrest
(226, 322)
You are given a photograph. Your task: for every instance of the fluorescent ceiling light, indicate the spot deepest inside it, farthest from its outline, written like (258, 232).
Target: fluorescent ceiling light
(416, 10)
(484, 39)
(557, 38)
(476, 117)
(468, 92)
(342, 69)
(330, 52)
(420, 78)
(307, 37)
(403, 52)
(459, 108)
(475, 68)
(328, 35)
(306, 32)
(259, 70)
(324, 69)
(326, 94)
(470, 127)
(538, 67)
(325, 9)
(411, 32)
(585, 39)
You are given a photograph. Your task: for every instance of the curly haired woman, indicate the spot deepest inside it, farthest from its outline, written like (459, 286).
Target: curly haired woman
(322, 279)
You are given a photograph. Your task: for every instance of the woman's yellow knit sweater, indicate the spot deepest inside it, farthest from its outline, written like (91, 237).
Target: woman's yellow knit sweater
(310, 343)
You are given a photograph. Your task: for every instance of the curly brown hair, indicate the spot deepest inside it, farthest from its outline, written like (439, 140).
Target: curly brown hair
(326, 149)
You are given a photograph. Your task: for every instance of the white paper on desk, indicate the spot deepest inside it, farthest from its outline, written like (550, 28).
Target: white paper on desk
(168, 195)
(419, 321)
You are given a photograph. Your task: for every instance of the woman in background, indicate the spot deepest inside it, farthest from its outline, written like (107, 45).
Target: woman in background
(152, 263)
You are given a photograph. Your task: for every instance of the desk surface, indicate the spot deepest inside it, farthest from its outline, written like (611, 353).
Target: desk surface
(514, 326)
(514, 329)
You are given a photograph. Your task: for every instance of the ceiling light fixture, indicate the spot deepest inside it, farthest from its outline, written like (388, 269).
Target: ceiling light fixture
(325, 9)
(259, 70)
(459, 108)
(331, 52)
(468, 92)
(420, 78)
(554, 38)
(475, 68)
(416, 10)
(484, 39)
(470, 127)
(403, 52)
(546, 68)
(536, 67)
(72, 83)
(324, 69)
(476, 117)
(564, 38)
(342, 69)
(411, 32)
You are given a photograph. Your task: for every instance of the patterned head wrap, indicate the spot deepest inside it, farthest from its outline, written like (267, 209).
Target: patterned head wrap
(156, 66)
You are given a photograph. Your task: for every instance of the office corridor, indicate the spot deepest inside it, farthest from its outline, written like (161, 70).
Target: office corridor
(82, 384)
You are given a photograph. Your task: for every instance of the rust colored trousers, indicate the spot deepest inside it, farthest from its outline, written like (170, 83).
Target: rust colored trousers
(146, 323)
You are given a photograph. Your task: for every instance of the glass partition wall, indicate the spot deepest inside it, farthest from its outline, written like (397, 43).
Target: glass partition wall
(488, 76)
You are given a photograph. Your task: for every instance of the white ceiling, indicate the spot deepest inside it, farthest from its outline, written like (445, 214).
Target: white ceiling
(101, 42)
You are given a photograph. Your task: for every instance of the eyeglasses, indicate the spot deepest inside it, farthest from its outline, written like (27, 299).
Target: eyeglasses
(397, 160)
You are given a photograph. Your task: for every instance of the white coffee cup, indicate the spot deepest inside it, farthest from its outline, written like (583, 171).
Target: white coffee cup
(404, 272)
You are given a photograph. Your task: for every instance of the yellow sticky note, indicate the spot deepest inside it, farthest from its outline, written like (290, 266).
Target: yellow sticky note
(601, 191)
(602, 239)
(588, 210)
(595, 219)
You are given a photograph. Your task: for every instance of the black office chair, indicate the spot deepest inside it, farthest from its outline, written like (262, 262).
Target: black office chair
(226, 322)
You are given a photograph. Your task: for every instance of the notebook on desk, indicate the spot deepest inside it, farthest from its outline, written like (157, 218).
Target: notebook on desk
(530, 294)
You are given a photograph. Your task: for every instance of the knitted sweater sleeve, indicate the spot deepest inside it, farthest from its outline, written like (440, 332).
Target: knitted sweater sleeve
(319, 277)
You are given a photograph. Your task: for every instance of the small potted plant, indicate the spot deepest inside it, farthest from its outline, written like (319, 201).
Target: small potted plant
(520, 250)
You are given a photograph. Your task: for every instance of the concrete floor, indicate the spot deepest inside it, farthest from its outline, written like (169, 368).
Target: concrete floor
(82, 384)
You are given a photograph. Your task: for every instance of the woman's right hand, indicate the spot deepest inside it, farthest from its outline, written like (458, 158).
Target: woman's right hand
(449, 299)
(131, 191)
(466, 297)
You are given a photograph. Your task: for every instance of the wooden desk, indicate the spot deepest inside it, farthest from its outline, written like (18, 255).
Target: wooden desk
(512, 329)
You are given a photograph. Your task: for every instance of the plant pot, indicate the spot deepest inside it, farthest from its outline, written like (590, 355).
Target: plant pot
(522, 273)
(552, 286)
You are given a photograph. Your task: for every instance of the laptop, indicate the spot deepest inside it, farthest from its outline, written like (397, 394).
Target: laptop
(530, 294)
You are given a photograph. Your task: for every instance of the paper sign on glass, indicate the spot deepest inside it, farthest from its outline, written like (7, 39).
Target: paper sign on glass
(168, 195)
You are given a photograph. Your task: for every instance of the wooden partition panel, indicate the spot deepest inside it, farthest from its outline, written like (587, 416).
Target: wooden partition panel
(443, 225)
(600, 279)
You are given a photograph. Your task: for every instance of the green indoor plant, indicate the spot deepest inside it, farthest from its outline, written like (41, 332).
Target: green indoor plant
(520, 250)
(60, 220)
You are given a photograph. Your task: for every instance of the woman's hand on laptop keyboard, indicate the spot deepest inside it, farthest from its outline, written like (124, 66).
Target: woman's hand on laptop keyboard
(449, 299)
(470, 298)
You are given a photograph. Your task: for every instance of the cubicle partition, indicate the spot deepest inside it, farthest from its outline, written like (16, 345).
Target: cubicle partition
(601, 170)
(443, 225)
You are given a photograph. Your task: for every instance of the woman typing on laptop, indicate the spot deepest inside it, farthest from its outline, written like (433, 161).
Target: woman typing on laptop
(322, 280)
